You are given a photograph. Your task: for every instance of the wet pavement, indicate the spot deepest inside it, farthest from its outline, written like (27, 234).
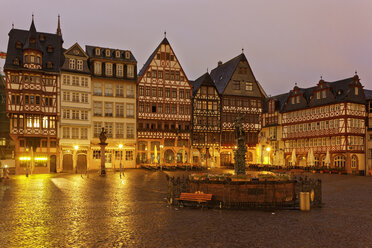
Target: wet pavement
(64, 210)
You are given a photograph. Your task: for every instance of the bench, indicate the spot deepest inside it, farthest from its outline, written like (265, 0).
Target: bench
(200, 198)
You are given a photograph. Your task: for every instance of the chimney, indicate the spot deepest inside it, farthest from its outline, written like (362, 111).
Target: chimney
(219, 63)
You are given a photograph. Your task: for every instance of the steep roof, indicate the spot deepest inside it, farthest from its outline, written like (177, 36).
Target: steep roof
(23, 36)
(143, 69)
(222, 74)
(203, 80)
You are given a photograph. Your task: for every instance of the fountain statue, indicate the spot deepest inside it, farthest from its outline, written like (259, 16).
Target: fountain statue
(240, 150)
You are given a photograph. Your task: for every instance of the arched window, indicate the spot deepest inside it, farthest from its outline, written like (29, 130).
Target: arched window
(339, 161)
(354, 162)
(169, 156)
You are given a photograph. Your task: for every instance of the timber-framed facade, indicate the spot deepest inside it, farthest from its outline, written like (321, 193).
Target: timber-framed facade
(164, 109)
(32, 73)
(241, 94)
(206, 122)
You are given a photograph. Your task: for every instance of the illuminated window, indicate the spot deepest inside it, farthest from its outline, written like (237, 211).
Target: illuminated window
(45, 122)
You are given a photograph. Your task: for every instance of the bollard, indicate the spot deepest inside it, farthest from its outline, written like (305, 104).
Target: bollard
(305, 201)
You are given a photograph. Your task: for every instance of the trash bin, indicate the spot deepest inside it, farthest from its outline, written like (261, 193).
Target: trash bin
(305, 201)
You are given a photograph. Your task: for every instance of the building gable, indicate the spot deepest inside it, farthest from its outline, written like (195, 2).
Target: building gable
(163, 60)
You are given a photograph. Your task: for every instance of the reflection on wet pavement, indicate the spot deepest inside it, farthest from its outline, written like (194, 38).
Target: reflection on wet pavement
(65, 210)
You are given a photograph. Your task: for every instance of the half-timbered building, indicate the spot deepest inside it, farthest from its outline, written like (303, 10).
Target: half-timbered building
(270, 149)
(164, 109)
(206, 122)
(75, 96)
(6, 143)
(32, 72)
(114, 77)
(241, 94)
(368, 150)
(329, 117)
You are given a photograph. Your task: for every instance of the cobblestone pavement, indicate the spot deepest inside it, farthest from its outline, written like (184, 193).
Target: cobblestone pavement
(65, 210)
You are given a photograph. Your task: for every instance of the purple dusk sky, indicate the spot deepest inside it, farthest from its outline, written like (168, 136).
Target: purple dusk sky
(285, 41)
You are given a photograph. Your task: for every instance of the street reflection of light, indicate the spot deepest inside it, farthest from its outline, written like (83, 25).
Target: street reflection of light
(41, 158)
(25, 158)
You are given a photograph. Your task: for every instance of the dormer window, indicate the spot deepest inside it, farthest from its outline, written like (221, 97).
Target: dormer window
(298, 99)
(108, 53)
(324, 94)
(356, 92)
(117, 54)
(50, 49)
(293, 100)
(318, 95)
(97, 51)
(38, 60)
(42, 37)
(32, 40)
(18, 45)
(127, 55)
(49, 65)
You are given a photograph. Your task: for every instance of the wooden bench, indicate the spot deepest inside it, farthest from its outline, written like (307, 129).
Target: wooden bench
(200, 198)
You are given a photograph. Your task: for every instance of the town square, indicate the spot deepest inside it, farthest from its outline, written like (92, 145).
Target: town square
(186, 124)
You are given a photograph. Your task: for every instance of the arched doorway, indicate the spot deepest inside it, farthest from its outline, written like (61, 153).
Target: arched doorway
(195, 156)
(53, 163)
(225, 158)
(81, 163)
(67, 163)
(169, 156)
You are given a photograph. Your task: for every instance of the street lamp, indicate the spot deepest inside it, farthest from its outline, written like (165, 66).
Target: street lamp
(121, 156)
(76, 147)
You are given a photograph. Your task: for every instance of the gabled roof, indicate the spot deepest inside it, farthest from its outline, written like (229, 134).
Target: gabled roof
(66, 51)
(143, 69)
(22, 36)
(222, 74)
(280, 101)
(204, 80)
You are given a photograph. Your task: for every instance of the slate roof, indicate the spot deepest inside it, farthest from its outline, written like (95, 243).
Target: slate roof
(204, 80)
(340, 89)
(23, 36)
(90, 50)
(143, 69)
(222, 74)
(368, 94)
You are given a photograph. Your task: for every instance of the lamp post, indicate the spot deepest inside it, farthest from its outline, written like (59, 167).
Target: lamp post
(121, 156)
(161, 157)
(76, 148)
